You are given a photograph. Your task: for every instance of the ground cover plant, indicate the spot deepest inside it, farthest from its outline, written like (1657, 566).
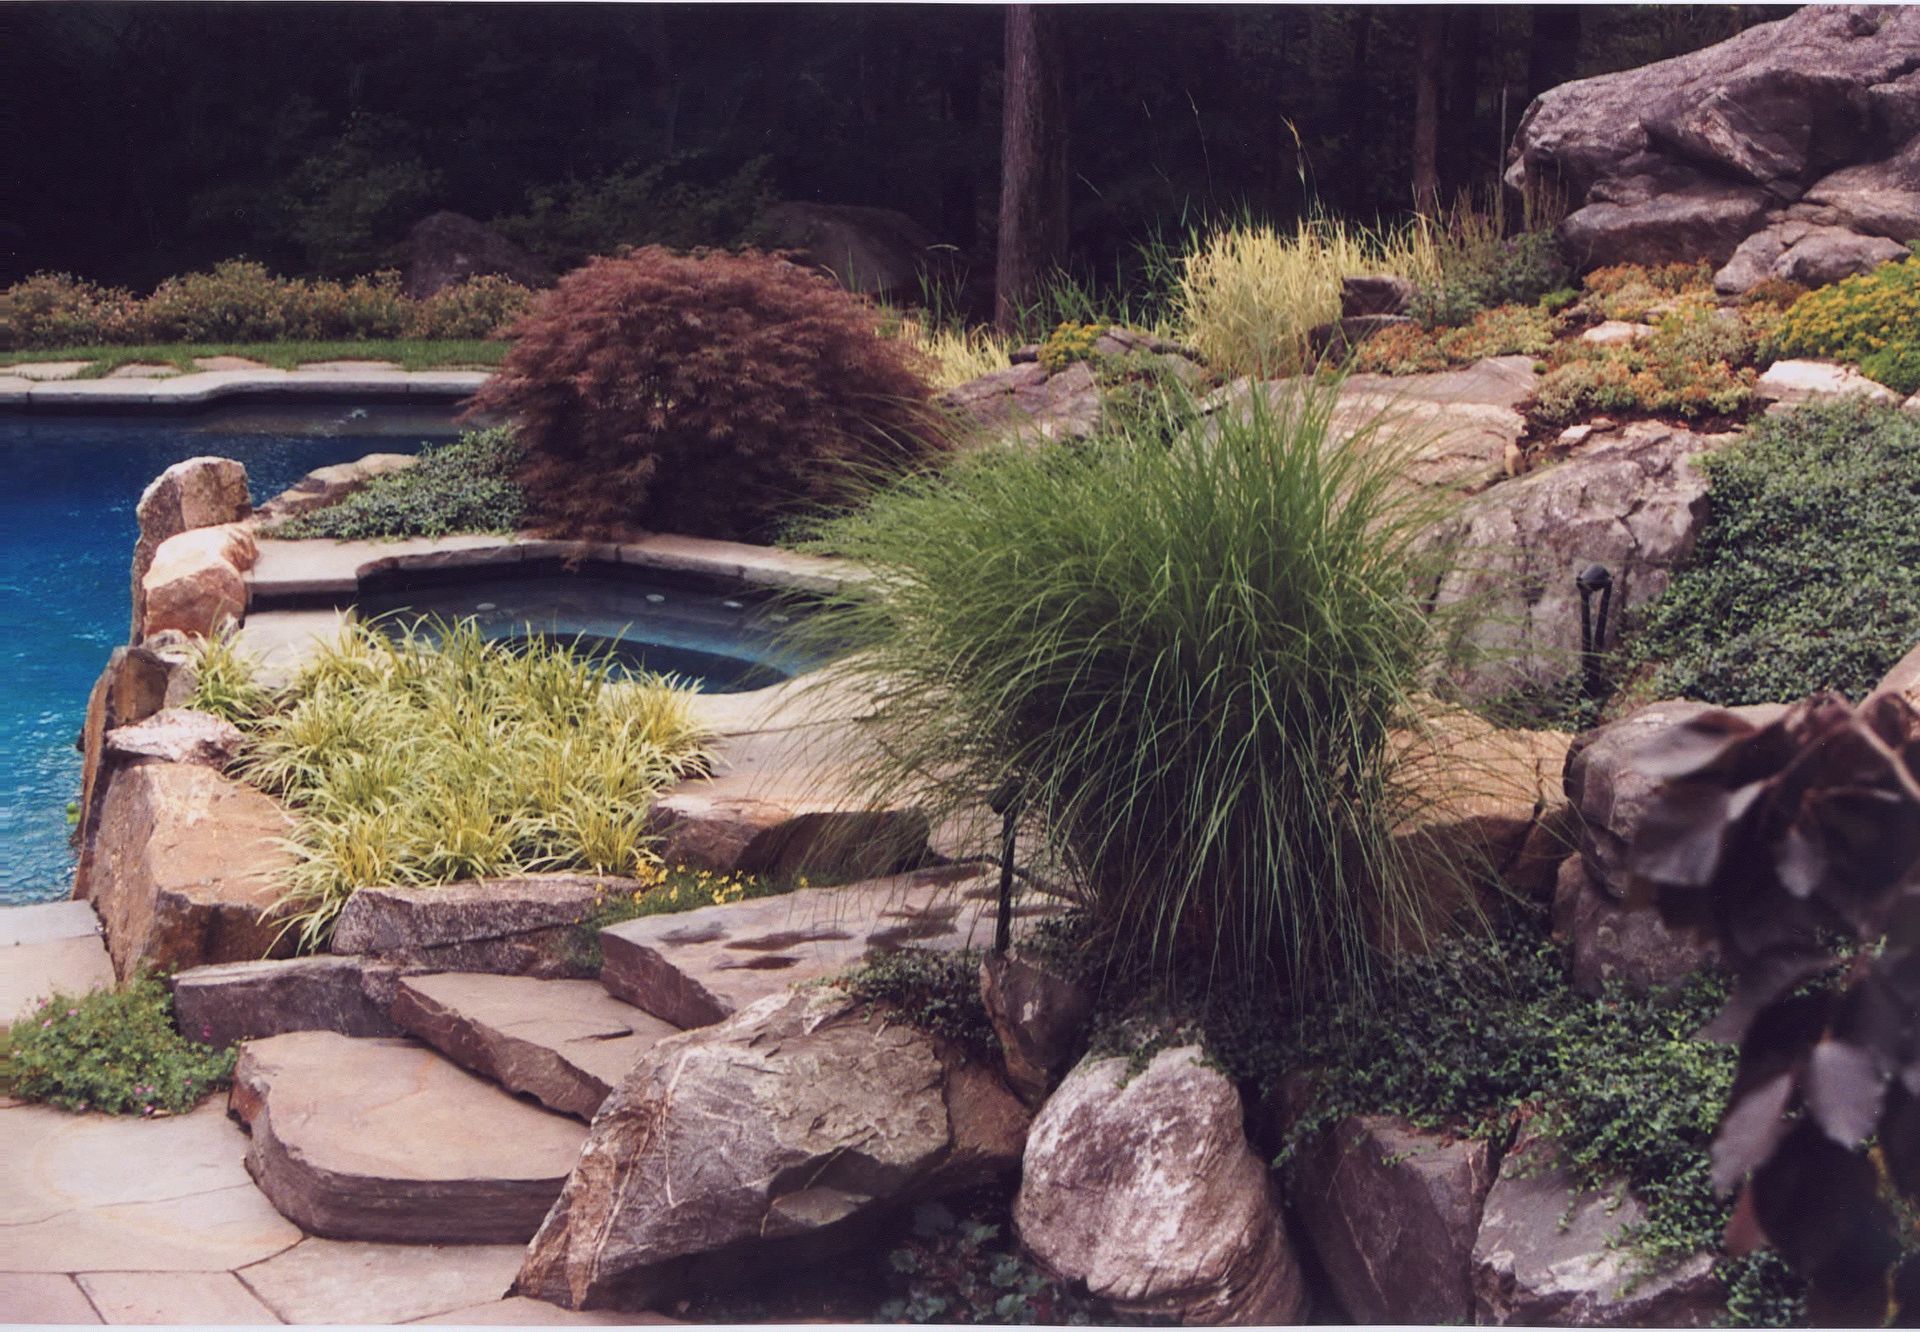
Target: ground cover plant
(1806, 575)
(407, 353)
(716, 394)
(409, 761)
(241, 302)
(1869, 319)
(114, 1051)
(465, 486)
(1185, 649)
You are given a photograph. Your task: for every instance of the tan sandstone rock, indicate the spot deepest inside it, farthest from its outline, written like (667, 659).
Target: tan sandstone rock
(1144, 1188)
(185, 866)
(199, 492)
(196, 582)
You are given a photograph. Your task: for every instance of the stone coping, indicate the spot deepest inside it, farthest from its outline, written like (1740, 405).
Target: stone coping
(17, 393)
(314, 570)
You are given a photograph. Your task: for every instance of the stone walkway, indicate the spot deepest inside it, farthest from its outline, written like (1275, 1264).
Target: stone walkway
(110, 1219)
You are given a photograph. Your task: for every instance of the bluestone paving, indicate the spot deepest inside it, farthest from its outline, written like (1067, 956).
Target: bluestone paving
(207, 1299)
(334, 1281)
(43, 1297)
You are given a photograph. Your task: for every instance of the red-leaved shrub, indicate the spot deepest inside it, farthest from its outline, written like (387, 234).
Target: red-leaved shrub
(711, 394)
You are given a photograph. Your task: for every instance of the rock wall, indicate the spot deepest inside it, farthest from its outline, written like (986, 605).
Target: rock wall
(1790, 150)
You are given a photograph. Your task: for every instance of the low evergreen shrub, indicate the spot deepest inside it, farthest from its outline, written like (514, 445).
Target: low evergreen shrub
(1409, 349)
(465, 486)
(114, 1051)
(715, 394)
(1806, 575)
(1480, 270)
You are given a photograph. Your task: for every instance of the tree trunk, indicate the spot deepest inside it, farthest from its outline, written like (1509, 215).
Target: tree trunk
(1461, 109)
(1033, 161)
(1426, 111)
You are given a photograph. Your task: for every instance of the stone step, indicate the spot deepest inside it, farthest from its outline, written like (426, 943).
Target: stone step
(698, 967)
(382, 1139)
(566, 1043)
(48, 947)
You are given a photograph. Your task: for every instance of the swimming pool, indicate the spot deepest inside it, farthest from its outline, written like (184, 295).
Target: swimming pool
(714, 633)
(66, 545)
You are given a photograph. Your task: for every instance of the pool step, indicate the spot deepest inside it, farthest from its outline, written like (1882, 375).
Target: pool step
(566, 1043)
(380, 1138)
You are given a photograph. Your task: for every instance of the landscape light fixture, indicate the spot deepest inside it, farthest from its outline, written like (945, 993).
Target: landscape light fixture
(1593, 630)
(1006, 803)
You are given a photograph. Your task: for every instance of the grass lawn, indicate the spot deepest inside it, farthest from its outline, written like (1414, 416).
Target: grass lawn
(409, 354)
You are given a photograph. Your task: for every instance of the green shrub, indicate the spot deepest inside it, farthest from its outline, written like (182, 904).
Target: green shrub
(937, 992)
(1856, 317)
(1187, 650)
(1898, 367)
(681, 203)
(114, 1051)
(236, 301)
(1479, 271)
(1633, 292)
(1506, 330)
(1069, 342)
(364, 307)
(967, 1267)
(715, 395)
(1806, 574)
(224, 683)
(56, 309)
(406, 762)
(480, 307)
(465, 486)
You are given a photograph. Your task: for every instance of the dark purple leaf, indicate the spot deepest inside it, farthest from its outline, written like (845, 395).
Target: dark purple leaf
(1844, 1090)
(1755, 1123)
(1759, 985)
(1820, 1205)
(1906, 1293)
(1900, 1141)
(1696, 747)
(1682, 837)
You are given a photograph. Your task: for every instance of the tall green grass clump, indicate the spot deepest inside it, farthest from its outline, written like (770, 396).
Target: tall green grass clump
(1249, 293)
(1186, 645)
(410, 762)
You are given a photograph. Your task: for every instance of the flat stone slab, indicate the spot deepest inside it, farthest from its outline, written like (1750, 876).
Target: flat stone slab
(243, 1001)
(519, 1311)
(566, 1043)
(322, 1281)
(382, 1139)
(142, 370)
(30, 973)
(335, 367)
(206, 1299)
(228, 363)
(44, 1297)
(47, 922)
(83, 1193)
(699, 967)
(45, 371)
(516, 927)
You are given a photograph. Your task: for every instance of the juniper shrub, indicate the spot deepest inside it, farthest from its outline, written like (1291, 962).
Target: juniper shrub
(713, 394)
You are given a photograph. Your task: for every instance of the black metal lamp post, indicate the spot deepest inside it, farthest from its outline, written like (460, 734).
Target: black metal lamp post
(1006, 803)
(1593, 631)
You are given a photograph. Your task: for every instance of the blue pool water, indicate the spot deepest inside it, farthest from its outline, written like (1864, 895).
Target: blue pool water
(67, 496)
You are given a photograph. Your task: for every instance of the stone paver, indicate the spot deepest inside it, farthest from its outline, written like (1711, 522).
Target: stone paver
(566, 1043)
(47, 922)
(140, 370)
(70, 1200)
(229, 363)
(328, 1281)
(280, 641)
(46, 371)
(519, 1311)
(382, 1139)
(43, 1297)
(338, 367)
(201, 1298)
(698, 967)
(30, 973)
(44, 390)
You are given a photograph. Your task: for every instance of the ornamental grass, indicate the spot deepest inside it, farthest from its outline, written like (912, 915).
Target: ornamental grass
(1185, 647)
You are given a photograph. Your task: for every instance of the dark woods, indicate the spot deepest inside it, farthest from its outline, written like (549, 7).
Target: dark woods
(151, 139)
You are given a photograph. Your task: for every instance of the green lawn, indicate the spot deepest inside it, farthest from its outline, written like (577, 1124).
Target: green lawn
(410, 354)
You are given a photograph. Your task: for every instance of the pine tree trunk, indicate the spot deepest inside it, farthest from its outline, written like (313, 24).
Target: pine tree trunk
(1033, 161)
(1426, 111)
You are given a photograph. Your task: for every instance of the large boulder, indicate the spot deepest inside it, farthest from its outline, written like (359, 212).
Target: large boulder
(1683, 159)
(136, 683)
(1039, 1016)
(1549, 1254)
(876, 251)
(186, 866)
(1630, 499)
(446, 248)
(1142, 1185)
(1391, 1212)
(769, 1138)
(177, 735)
(1610, 791)
(1026, 402)
(1609, 941)
(1876, 198)
(199, 492)
(197, 581)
